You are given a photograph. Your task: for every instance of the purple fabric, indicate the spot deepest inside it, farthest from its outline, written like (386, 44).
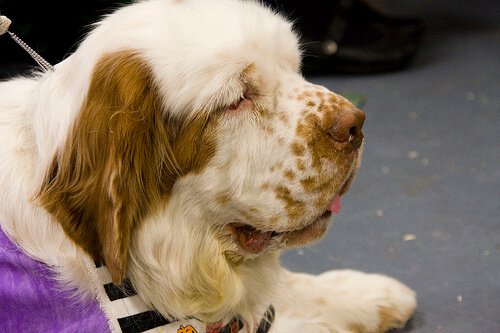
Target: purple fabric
(30, 300)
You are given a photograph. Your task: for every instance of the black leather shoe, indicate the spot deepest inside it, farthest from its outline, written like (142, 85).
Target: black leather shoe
(360, 40)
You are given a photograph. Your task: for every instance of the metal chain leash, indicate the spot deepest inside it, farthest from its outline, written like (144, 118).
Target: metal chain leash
(4, 28)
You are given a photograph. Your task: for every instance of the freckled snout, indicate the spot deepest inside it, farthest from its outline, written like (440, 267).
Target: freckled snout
(347, 127)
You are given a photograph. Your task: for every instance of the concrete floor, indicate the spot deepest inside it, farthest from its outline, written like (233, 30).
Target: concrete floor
(425, 206)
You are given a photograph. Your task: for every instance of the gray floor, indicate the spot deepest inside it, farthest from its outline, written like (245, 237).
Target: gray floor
(425, 206)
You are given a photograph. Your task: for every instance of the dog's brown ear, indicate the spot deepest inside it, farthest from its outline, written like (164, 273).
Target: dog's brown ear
(116, 163)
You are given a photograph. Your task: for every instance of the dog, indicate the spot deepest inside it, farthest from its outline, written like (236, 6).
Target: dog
(176, 153)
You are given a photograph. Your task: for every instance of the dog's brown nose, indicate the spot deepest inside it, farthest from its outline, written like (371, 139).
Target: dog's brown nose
(347, 127)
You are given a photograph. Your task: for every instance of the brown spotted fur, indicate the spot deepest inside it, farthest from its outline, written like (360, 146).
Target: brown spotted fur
(120, 159)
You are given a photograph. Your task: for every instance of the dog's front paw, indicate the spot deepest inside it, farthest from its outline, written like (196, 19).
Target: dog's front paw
(347, 301)
(379, 303)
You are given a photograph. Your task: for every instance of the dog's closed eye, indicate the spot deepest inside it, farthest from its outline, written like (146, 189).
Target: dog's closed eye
(242, 104)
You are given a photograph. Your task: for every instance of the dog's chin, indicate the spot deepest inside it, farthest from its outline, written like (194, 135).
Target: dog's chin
(250, 242)
(310, 233)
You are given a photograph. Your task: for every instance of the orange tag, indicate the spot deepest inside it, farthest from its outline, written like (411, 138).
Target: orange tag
(186, 329)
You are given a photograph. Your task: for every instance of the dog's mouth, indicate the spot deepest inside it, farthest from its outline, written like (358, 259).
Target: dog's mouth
(253, 241)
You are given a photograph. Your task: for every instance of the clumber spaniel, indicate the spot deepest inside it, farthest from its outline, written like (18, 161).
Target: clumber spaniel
(180, 146)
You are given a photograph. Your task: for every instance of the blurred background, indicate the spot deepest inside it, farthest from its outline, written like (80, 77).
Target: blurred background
(426, 205)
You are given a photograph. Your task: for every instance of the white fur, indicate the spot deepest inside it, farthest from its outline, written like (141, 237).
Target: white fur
(197, 50)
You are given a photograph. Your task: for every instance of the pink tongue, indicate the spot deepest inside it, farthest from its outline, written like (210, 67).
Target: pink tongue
(336, 205)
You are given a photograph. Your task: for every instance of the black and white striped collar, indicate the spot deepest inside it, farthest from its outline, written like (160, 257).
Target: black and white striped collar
(127, 313)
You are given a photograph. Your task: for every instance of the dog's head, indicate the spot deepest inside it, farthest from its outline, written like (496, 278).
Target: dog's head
(198, 149)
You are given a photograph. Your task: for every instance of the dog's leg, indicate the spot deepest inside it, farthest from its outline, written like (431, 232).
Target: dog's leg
(341, 302)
